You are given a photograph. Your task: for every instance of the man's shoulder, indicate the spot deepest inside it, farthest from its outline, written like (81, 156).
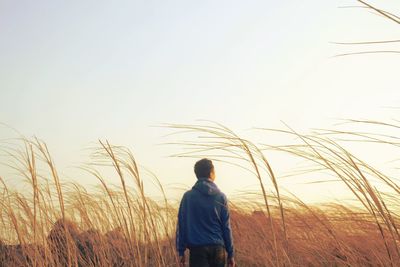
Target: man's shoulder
(223, 197)
(188, 193)
(192, 192)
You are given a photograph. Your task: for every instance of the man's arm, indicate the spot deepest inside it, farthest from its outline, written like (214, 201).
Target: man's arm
(226, 228)
(180, 229)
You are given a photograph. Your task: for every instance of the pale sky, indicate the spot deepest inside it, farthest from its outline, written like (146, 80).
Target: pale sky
(72, 72)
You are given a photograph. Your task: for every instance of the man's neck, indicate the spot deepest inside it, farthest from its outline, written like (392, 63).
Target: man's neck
(205, 178)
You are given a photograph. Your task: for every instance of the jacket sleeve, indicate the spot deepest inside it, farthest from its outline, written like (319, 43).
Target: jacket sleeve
(226, 227)
(180, 229)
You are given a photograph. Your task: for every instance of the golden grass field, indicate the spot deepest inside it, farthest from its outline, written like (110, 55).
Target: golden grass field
(56, 223)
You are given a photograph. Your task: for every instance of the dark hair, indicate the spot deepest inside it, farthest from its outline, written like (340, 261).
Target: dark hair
(203, 168)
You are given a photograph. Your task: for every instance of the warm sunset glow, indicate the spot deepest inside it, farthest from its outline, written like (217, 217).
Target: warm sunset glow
(296, 102)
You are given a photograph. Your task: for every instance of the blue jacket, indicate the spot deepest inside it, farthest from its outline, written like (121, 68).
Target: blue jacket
(203, 218)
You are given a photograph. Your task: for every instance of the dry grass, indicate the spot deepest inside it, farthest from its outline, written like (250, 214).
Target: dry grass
(62, 224)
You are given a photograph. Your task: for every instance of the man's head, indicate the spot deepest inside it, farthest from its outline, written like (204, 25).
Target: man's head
(204, 168)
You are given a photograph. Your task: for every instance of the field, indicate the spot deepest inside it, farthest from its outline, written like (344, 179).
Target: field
(56, 223)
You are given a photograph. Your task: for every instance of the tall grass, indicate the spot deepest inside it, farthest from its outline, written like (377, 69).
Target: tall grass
(63, 224)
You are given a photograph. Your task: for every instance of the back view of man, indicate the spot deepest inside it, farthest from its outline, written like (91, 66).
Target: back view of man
(203, 222)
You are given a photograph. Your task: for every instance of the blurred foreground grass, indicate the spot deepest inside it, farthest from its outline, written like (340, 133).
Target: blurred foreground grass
(62, 224)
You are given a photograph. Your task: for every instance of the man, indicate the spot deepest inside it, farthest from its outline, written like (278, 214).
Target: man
(203, 222)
